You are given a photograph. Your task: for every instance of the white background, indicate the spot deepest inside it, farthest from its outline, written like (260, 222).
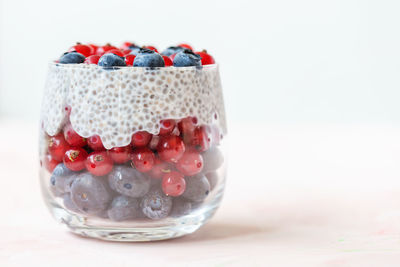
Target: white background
(281, 61)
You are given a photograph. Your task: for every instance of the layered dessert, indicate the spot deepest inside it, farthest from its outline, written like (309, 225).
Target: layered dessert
(132, 135)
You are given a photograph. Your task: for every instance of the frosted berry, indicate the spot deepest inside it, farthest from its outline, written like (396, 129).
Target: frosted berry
(187, 58)
(128, 181)
(140, 139)
(156, 205)
(173, 184)
(90, 194)
(75, 159)
(99, 163)
(180, 207)
(191, 163)
(109, 60)
(171, 148)
(120, 155)
(72, 137)
(197, 188)
(57, 147)
(124, 208)
(72, 58)
(212, 178)
(148, 58)
(95, 143)
(172, 50)
(62, 178)
(143, 159)
(212, 159)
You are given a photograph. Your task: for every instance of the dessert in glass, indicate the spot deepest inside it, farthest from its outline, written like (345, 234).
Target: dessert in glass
(132, 141)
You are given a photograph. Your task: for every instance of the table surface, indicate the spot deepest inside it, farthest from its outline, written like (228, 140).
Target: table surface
(299, 195)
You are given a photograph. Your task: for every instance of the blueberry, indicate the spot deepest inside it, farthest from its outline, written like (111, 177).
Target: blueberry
(187, 58)
(128, 181)
(156, 205)
(72, 58)
(111, 60)
(148, 58)
(124, 208)
(90, 194)
(134, 50)
(212, 160)
(172, 50)
(61, 179)
(69, 205)
(197, 188)
(212, 178)
(180, 207)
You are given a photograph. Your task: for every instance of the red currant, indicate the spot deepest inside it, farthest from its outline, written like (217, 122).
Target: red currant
(75, 158)
(94, 48)
(166, 126)
(191, 163)
(201, 138)
(126, 51)
(168, 62)
(115, 51)
(206, 59)
(129, 60)
(73, 138)
(57, 146)
(95, 143)
(155, 139)
(99, 163)
(140, 139)
(160, 168)
(93, 59)
(82, 49)
(143, 159)
(50, 163)
(102, 49)
(186, 46)
(172, 57)
(187, 125)
(173, 184)
(171, 148)
(151, 48)
(120, 155)
(126, 45)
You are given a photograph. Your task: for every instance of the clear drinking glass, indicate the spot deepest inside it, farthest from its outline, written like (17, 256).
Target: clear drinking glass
(130, 153)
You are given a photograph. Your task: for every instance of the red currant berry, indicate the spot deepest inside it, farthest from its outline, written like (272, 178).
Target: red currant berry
(143, 159)
(173, 184)
(75, 158)
(94, 48)
(93, 59)
(206, 59)
(172, 57)
(57, 147)
(50, 163)
(160, 168)
(166, 126)
(187, 125)
(126, 51)
(126, 45)
(191, 163)
(95, 143)
(201, 138)
(186, 46)
(151, 48)
(140, 139)
(102, 49)
(168, 62)
(99, 163)
(82, 49)
(129, 60)
(120, 155)
(115, 52)
(73, 138)
(171, 148)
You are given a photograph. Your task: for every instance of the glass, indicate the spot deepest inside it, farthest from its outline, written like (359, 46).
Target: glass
(132, 154)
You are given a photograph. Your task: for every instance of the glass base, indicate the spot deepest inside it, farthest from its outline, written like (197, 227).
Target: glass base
(143, 231)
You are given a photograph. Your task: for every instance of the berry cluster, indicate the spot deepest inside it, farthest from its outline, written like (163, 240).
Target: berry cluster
(129, 54)
(154, 176)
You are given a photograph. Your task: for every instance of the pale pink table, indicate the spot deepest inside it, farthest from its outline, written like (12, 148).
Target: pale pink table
(296, 196)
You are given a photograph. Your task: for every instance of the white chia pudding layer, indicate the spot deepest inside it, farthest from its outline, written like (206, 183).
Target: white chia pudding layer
(115, 103)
